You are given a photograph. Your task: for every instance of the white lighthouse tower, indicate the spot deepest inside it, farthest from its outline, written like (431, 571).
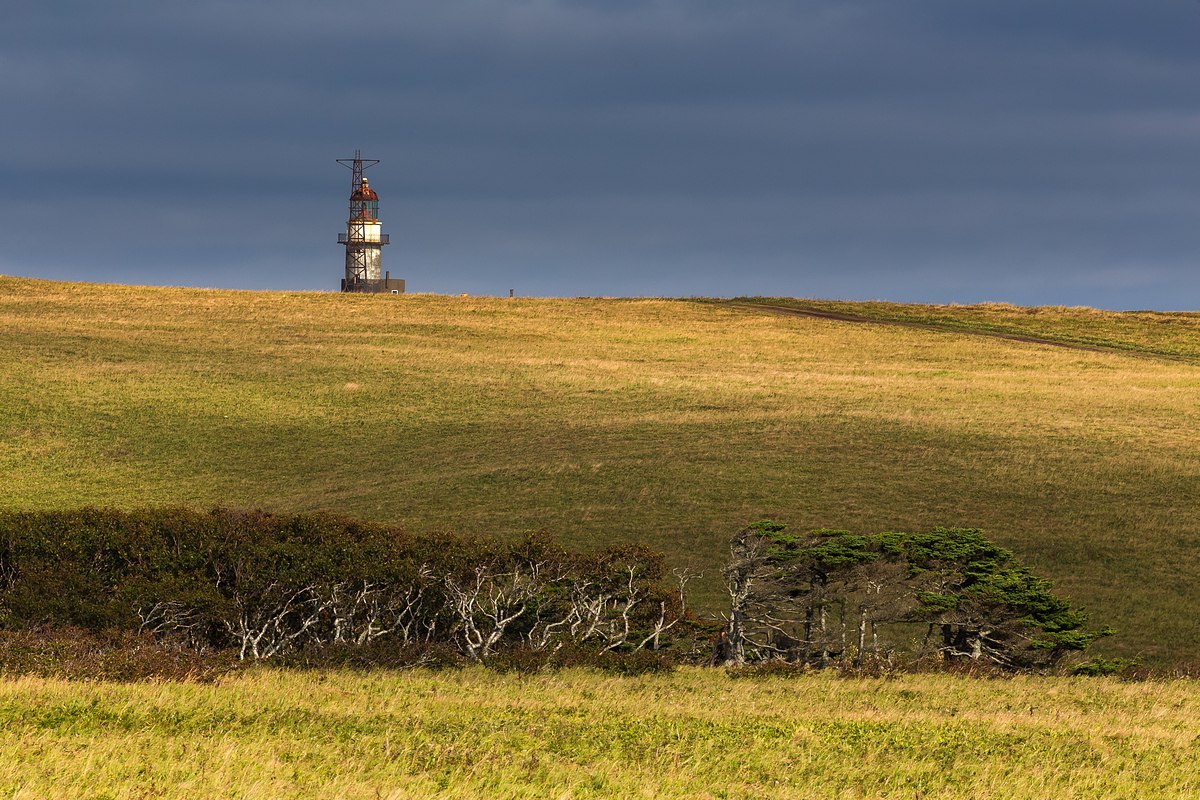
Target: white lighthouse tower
(363, 238)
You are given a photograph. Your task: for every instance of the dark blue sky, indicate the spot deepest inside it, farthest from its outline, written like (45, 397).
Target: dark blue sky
(1031, 151)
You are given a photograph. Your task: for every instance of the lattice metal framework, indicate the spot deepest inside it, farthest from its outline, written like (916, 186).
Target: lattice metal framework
(362, 240)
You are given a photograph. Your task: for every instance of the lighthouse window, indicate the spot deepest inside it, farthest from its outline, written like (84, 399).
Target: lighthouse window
(365, 209)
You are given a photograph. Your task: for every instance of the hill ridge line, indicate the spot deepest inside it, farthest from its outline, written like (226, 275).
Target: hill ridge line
(839, 316)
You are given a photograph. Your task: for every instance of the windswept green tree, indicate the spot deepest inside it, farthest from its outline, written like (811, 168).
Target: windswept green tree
(832, 595)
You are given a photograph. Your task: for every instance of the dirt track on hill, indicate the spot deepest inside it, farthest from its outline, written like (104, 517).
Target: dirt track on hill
(933, 326)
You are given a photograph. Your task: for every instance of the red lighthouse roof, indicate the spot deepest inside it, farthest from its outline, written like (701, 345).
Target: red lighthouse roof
(364, 192)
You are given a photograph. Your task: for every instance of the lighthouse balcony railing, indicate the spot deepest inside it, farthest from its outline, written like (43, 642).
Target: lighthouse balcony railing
(384, 238)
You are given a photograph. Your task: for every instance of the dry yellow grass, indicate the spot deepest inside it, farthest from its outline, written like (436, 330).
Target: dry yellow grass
(1166, 334)
(695, 734)
(667, 422)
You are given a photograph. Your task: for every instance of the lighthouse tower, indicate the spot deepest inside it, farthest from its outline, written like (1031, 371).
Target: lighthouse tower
(363, 240)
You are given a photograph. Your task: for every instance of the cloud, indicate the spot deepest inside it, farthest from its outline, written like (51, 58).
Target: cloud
(934, 149)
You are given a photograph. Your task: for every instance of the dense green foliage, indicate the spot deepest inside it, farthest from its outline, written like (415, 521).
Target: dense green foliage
(301, 587)
(268, 585)
(829, 595)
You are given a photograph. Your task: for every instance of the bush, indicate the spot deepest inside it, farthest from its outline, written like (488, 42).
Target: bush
(525, 661)
(322, 588)
(1101, 667)
(771, 668)
(374, 655)
(79, 654)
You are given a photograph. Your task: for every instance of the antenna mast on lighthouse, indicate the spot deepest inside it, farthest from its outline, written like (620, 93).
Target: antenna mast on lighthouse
(363, 240)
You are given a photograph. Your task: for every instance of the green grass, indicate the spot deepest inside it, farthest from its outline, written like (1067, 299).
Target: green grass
(667, 422)
(695, 734)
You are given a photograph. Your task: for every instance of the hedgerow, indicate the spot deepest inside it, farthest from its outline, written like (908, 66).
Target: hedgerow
(272, 586)
(319, 589)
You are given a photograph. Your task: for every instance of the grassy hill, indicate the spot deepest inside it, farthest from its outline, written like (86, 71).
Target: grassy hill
(670, 422)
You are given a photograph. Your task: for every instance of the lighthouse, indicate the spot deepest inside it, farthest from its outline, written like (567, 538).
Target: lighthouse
(363, 238)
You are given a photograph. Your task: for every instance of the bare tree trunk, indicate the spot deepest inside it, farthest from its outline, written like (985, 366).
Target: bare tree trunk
(862, 637)
(739, 578)
(808, 630)
(824, 637)
(736, 633)
(842, 624)
(925, 641)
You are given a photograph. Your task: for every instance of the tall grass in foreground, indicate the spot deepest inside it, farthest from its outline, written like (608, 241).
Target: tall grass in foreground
(695, 733)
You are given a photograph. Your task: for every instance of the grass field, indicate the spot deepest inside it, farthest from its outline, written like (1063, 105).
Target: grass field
(696, 733)
(668, 422)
